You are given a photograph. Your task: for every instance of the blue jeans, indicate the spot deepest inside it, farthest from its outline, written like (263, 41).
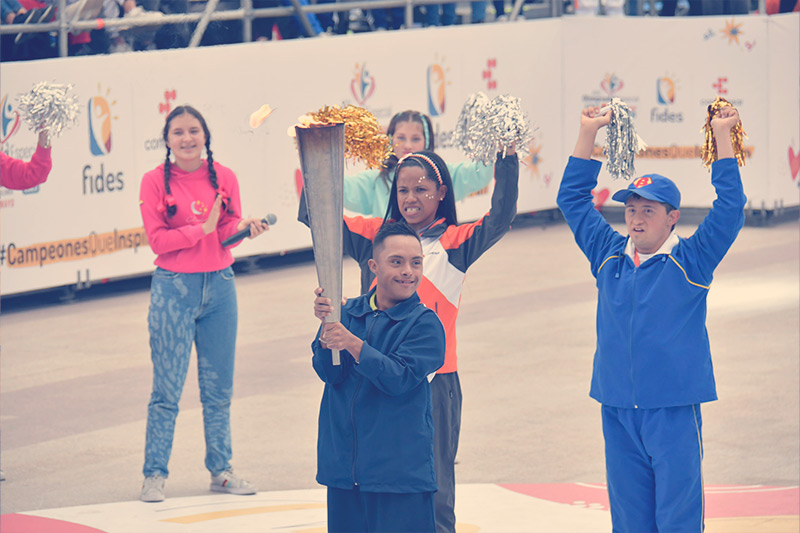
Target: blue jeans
(7, 7)
(184, 309)
(447, 17)
(379, 17)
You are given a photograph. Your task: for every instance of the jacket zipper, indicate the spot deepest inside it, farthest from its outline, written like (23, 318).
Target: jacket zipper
(353, 407)
(630, 335)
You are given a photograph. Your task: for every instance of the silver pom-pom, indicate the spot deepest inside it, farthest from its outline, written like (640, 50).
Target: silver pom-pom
(470, 123)
(622, 141)
(49, 107)
(486, 127)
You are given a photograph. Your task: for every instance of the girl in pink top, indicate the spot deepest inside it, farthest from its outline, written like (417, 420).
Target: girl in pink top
(18, 174)
(189, 206)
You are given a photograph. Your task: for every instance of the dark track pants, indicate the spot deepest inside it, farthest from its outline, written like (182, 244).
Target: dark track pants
(354, 511)
(446, 399)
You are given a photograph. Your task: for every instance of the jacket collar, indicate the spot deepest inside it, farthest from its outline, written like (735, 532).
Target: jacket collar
(399, 312)
(435, 230)
(666, 249)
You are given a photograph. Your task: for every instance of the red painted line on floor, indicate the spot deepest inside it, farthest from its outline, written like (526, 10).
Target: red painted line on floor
(21, 523)
(722, 501)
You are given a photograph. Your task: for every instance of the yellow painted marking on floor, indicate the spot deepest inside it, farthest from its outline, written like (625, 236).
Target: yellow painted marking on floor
(754, 524)
(230, 513)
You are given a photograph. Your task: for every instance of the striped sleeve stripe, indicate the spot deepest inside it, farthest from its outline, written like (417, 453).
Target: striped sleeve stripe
(686, 276)
(366, 227)
(455, 236)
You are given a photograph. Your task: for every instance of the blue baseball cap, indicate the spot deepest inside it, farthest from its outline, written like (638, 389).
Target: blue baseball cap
(653, 187)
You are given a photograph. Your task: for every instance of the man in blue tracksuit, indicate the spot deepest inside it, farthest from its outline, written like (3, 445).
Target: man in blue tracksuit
(375, 444)
(652, 364)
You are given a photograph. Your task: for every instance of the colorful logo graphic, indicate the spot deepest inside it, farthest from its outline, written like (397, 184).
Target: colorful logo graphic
(599, 198)
(100, 125)
(164, 107)
(794, 163)
(612, 84)
(198, 208)
(719, 86)
(10, 120)
(362, 85)
(532, 160)
(665, 89)
(436, 90)
(642, 182)
(487, 74)
(732, 31)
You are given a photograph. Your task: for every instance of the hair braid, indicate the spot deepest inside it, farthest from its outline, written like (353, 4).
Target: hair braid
(171, 209)
(212, 176)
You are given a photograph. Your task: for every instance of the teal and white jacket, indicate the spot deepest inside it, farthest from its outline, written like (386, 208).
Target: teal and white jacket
(652, 344)
(366, 193)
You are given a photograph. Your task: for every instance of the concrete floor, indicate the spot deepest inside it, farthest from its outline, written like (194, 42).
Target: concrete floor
(75, 378)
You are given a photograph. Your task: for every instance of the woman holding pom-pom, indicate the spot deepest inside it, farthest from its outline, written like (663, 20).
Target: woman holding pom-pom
(652, 364)
(48, 108)
(367, 192)
(422, 194)
(19, 174)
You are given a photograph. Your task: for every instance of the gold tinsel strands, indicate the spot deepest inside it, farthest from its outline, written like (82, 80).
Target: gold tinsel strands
(364, 138)
(709, 153)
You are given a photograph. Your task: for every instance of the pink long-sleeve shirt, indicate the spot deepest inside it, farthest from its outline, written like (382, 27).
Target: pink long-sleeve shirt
(179, 240)
(18, 174)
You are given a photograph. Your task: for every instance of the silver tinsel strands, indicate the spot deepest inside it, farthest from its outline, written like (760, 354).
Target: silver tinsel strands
(470, 123)
(622, 141)
(49, 106)
(486, 127)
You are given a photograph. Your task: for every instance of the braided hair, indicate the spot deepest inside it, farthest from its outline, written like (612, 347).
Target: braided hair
(389, 164)
(212, 172)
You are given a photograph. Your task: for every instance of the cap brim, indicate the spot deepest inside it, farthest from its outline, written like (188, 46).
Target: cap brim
(623, 195)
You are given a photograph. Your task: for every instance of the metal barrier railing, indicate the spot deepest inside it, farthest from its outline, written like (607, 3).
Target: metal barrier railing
(550, 8)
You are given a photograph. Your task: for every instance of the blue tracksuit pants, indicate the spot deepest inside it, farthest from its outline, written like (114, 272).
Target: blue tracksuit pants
(188, 309)
(654, 468)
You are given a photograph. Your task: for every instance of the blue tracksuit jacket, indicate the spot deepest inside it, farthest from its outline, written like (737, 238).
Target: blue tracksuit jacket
(652, 345)
(375, 421)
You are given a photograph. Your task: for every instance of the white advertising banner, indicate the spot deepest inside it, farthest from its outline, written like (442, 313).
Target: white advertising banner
(668, 70)
(84, 222)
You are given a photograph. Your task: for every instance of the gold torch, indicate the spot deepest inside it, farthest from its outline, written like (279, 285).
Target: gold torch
(324, 139)
(321, 148)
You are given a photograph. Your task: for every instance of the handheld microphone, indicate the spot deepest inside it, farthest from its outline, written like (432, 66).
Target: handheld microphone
(270, 220)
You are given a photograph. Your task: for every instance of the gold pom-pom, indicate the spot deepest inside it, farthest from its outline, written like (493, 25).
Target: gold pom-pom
(709, 152)
(364, 138)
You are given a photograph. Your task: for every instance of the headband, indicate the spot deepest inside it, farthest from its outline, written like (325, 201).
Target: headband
(427, 160)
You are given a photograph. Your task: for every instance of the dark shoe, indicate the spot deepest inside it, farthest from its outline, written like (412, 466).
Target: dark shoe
(34, 16)
(48, 14)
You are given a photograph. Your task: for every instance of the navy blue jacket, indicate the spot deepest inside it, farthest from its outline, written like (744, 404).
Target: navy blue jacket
(375, 421)
(652, 344)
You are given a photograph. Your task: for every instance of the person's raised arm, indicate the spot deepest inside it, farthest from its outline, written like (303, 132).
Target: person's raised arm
(591, 122)
(722, 124)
